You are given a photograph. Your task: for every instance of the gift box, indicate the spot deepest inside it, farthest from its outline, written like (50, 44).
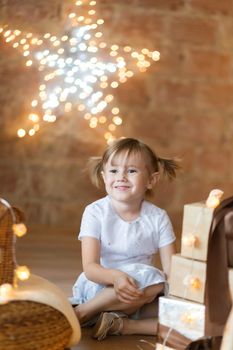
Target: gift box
(183, 316)
(188, 278)
(197, 220)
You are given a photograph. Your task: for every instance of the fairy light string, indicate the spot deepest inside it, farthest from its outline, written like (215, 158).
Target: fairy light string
(78, 69)
(21, 272)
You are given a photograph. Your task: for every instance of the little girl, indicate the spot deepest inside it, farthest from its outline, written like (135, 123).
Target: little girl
(120, 235)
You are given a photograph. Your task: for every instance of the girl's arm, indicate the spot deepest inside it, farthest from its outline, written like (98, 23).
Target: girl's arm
(91, 263)
(166, 253)
(124, 285)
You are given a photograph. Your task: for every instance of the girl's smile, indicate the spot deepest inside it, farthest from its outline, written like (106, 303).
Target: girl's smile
(127, 178)
(122, 188)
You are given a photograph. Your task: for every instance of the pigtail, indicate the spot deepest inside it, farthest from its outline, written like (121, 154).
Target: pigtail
(169, 167)
(95, 167)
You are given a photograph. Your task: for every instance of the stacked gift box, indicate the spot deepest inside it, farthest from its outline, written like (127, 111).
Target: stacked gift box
(184, 310)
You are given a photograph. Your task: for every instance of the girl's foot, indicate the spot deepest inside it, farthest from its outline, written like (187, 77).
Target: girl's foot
(109, 323)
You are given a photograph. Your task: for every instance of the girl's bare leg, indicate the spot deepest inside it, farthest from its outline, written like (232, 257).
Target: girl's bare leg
(107, 300)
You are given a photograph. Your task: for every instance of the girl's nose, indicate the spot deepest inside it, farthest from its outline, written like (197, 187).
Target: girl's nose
(121, 175)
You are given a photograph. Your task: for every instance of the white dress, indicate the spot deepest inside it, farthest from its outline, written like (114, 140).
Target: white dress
(126, 246)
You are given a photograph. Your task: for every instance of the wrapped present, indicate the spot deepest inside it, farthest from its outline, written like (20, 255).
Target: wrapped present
(185, 317)
(197, 220)
(188, 278)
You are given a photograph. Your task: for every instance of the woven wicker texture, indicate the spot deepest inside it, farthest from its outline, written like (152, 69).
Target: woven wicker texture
(26, 325)
(7, 255)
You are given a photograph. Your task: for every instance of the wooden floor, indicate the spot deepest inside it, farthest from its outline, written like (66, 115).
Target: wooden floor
(54, 253)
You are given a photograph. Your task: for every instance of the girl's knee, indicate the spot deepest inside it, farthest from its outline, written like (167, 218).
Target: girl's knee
(151, 292)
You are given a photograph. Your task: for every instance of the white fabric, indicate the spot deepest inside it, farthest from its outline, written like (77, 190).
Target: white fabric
(42, 291)
(127, 246)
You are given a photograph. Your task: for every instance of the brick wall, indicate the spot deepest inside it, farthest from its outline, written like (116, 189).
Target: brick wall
(182, 106)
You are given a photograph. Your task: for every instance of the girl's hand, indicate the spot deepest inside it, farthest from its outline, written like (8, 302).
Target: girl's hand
(126, 289)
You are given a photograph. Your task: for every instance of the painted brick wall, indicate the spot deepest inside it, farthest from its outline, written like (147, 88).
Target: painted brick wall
(182, 106)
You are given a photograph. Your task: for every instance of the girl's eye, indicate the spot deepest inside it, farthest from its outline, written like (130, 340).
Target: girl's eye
(113, 171)
(131, 171)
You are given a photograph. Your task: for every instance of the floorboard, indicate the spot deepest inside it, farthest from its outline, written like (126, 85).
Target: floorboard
(54, 253)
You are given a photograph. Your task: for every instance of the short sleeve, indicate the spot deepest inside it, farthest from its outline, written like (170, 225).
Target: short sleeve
(166, 233)
(90, 223)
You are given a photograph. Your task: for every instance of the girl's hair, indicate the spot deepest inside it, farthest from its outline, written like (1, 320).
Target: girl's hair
(132, 146)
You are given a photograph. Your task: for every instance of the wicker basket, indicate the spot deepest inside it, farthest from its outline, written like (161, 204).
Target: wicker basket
(26, 325)
(7, 246)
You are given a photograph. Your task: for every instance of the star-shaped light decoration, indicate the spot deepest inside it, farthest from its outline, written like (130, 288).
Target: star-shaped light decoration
(78, 70)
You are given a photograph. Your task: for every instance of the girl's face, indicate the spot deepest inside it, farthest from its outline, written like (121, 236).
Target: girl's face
(127, 178)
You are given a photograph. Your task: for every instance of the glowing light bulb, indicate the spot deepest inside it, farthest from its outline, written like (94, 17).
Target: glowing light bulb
(110, 140)
(31, 132)
(212, 202)
(129, 74)
(100, 21)
(102, 119)
(102, 45)
(155, 55)
(72, 15)
(98, 35)
(22, 273)
(19, 229)
(214, 198)
(117, 120)
(6, 292)
(29, 63)
(195, 283)
(188, 317)
(115, 110)
(107, 135)
(190, 240)
(21, 133)
(33, 117)
(87, 116)
(109, 98)
(114, 84)
(7, 33)
(34, 103)
(112, 127)
(114, 47)
(191, 281)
